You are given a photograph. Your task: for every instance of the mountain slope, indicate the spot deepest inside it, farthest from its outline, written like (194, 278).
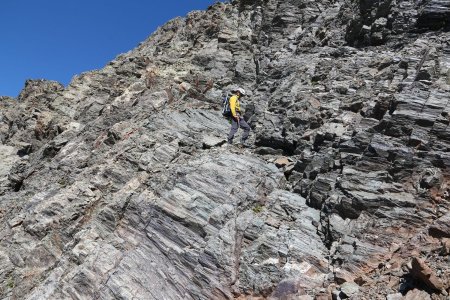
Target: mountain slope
(119, 185)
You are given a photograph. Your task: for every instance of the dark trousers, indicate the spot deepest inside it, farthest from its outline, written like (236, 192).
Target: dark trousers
(234, 128)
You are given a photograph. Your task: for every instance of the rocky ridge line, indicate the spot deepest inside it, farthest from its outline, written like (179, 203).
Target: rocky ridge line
(118, 186)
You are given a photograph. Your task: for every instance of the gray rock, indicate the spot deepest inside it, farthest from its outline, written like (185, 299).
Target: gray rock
(349, 289)
(397, 296)
(117, 185)
(212, 141)
(435, 15)
(8, 157)
(441, 227)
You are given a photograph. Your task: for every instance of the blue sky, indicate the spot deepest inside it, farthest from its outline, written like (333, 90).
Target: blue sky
(57, 39)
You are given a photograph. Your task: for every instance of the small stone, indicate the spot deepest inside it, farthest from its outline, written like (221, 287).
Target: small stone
(349, 289)
(16, 221)
(397, 296)
(281, 162)
(273, 222)
(417, 295)
(184, 86)
(394, 282)
(361, 280)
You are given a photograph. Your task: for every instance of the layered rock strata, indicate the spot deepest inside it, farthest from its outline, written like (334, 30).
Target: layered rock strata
(120, 186)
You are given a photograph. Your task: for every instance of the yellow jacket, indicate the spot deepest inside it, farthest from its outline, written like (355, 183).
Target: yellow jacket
(235, 107)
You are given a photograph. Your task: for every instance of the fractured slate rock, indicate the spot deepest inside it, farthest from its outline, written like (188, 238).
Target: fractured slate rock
(117, 185)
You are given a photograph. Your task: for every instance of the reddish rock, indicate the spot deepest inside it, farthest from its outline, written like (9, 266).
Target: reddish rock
(282, 161)
(424, 273)
(445, 247)
(417, 295)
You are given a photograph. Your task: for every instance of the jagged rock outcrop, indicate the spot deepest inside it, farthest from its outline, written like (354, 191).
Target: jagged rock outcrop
(119, 186)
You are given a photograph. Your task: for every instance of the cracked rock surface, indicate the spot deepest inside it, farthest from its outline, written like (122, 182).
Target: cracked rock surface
(121, 186)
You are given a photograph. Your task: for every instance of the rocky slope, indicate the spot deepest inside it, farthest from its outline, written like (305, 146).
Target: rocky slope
(119, 186)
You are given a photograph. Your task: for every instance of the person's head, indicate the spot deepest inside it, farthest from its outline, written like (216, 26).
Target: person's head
(240, 92)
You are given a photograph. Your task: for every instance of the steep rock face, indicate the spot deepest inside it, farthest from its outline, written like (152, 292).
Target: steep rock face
(435, 15)
(119, 185)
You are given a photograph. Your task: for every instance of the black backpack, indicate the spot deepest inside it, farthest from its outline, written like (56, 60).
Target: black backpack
(226, 111)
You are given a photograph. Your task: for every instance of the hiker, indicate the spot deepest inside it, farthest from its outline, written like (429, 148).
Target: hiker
(236, 119)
